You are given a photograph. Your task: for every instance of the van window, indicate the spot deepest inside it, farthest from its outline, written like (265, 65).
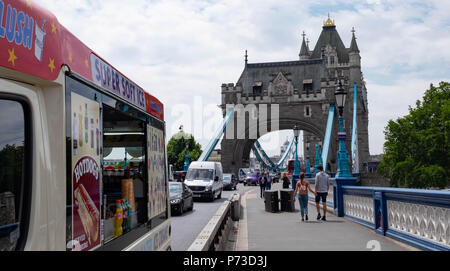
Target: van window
(200, 174)
(12, 163)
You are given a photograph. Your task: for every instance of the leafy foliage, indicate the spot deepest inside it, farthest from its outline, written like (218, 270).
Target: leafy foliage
(417, 149)
(176, 149)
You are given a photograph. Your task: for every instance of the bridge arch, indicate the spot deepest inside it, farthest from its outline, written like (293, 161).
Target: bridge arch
(236, 152)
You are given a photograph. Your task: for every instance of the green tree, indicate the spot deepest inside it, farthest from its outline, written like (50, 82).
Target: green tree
(417, 149)
(176, 149)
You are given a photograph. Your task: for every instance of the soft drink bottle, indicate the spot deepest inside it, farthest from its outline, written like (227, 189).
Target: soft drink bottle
(125, 217)
(118, 221)
(130, 214)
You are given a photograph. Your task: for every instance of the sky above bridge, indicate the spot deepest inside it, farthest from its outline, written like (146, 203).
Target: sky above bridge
(182, 51)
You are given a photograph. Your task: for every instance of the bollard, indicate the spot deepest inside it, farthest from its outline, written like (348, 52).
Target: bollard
(287, 204)
(271, 201)
(236, 207)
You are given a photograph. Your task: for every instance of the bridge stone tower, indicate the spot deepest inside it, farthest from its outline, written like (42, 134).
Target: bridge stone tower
(301, 92)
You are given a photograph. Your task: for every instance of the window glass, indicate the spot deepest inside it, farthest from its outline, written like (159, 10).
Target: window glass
(124, 175)
(175, 188)
(200, 174)
(12, 152)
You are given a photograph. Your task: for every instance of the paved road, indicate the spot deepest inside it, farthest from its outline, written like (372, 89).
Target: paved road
(285, 231)
(185, 228)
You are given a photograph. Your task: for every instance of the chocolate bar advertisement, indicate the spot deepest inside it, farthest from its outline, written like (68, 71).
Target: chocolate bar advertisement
(86, 174)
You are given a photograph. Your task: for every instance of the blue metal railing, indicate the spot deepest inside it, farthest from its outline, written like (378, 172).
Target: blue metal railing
(417, 217)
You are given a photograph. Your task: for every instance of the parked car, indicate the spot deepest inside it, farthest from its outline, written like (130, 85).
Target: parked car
(205, 179)
(229, 181)
(252, 178)
(181, 198)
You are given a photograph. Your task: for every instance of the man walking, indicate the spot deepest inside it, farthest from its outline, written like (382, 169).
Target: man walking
(321, 189)
(262, 184)
(268, 181)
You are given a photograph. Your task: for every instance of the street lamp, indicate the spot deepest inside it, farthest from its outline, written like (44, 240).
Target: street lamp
(343, 168)
(186, 158)
(318, 157)
(296, 174)
(308, 164)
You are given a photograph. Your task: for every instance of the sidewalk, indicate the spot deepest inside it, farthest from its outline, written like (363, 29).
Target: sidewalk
(260, 230)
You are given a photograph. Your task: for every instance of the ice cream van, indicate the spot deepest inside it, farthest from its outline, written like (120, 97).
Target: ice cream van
(83, 161)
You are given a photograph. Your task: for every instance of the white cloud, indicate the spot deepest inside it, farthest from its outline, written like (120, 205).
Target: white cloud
(177, 49)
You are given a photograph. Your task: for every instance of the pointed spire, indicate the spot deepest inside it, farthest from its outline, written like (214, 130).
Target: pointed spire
(246, 58)
(328, 22)
(353, 45)
(304, 52)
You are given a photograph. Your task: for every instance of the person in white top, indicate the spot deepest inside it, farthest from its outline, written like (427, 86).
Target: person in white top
(321, 188)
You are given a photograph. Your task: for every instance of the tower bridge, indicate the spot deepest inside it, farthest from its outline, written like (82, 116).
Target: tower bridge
(301, 91)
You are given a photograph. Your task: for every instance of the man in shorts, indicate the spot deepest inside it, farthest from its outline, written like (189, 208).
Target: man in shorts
(321, 188)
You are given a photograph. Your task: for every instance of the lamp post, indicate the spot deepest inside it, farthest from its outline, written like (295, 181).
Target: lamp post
(318, 157)
(342, 156)
(308, 164)
(296, 174)
(186, 158)
(343, 175)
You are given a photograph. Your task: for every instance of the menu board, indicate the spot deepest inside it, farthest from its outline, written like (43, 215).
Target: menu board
(86, 174)
(156, 165)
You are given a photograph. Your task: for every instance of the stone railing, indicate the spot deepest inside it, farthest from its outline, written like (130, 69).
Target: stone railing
(420, 218)
(214, 235)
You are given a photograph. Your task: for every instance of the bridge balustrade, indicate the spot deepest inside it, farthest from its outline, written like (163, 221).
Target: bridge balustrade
(418, 217)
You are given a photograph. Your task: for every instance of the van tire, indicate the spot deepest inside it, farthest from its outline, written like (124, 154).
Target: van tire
(220, 195)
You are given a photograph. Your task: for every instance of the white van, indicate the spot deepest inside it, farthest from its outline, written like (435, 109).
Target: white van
(205, 179)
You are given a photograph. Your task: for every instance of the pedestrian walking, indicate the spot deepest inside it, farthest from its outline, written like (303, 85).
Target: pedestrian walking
(286, 180)
(268, 181)
(302, 188)
(262, 184)
(321, 188)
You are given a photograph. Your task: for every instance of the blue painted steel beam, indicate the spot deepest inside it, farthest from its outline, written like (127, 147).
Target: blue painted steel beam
(326, 141)
(286, 154)
(355, 158)
(213, 142)
(264, 154)
(259, 158)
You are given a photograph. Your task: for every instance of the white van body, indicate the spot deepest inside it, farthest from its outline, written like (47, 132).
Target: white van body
(200, 179)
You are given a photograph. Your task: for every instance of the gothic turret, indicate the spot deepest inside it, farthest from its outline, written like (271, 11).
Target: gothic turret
(355, 58)
(331, 39)
(304, 51)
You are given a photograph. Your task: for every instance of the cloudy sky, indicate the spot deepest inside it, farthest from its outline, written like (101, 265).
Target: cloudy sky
(182, 51)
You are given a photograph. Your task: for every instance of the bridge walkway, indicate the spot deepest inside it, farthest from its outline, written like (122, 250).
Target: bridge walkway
(262, 231)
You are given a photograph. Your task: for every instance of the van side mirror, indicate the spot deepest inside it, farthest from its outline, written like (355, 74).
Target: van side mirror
(216, 179)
